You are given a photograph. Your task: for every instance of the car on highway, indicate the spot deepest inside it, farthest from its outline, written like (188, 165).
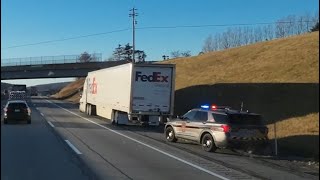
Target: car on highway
(17, 110)
(218, 127)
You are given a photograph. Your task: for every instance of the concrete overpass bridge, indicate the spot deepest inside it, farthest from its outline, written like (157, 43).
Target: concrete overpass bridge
(52, 67)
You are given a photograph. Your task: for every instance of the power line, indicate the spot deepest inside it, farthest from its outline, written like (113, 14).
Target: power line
(66, 39)
(221, 25)
(157, 27)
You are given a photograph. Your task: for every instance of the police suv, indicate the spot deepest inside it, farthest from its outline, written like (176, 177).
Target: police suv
(218, 127)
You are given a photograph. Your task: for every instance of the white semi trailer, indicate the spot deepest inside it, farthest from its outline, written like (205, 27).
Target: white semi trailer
(130, 93)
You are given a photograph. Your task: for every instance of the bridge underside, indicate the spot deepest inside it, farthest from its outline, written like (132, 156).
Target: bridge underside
(54, 70)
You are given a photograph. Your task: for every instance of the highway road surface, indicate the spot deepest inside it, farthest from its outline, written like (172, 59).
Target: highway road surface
(62, 143)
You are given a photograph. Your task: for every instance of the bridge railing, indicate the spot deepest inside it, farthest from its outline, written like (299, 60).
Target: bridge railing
(64, 59)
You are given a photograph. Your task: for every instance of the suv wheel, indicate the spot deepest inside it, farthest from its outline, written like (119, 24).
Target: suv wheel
(170, 136)
(29, 121)
(207, 143)
(5, 121)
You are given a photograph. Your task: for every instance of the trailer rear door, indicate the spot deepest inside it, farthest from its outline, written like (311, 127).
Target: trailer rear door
(152, 89)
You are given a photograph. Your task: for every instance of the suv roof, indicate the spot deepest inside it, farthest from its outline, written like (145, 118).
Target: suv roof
(226, 110)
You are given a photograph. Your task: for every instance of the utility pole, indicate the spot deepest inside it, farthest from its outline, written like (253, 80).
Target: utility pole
(133, 14)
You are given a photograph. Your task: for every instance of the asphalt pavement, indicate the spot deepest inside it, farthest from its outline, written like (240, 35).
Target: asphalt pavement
(33, 151)
(62, 143)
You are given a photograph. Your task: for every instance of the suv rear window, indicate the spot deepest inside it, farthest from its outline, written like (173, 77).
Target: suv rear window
(220, 118)
(17, 105)
(245, 119)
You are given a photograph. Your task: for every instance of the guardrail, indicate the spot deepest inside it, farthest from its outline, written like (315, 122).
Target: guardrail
(64, 59)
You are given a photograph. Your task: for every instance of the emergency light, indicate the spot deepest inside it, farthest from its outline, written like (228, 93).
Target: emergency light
(207, 107)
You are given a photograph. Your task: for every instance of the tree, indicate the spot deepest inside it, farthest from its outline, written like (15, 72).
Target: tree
(258, 35)
(217, 42)
(268, 32)
(307, 19)
(238, 36)
(117, 53)
(246, 35)
(140, 56)
(225, 40)
(280, 29)
(315, 27)
(186, 54)
(208, 45)
(125, 53)
(175, 54)
(85, 57)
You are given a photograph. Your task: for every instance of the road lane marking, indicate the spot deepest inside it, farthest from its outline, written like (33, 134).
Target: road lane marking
(42, 114)
(147, 145)
(50, 124)
(73, 147)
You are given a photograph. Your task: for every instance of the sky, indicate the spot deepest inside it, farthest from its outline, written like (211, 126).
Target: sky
(27, 22)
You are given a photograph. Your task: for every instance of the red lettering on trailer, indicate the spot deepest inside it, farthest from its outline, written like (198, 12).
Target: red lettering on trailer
(93, 87)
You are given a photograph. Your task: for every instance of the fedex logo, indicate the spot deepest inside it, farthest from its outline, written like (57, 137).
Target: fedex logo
(93, 86)
(154, 77)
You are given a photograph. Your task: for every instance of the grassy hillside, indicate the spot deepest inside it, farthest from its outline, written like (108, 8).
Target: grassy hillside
(293, 59)
(278, 78)
(71, 91)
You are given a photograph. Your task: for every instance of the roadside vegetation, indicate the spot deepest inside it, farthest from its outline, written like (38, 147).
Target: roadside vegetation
(277, 78)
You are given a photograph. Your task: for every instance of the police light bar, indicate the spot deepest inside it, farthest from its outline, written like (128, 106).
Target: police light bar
(207, 107)
(213, 107)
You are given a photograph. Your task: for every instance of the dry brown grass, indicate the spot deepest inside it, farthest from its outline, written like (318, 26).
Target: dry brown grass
(305, 125)
(293, 59)
(288, 60)
(70, 89)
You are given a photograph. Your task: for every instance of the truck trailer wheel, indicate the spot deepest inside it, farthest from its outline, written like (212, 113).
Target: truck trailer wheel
(91, 110)
(88, 109)
(114, 117)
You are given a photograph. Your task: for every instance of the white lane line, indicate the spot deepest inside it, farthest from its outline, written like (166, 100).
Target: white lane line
(73, 147)
(42, 114)
(50, 124)
(151, 147)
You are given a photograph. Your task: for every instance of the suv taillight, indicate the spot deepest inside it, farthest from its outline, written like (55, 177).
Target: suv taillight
(226, 128)
(223, 128)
